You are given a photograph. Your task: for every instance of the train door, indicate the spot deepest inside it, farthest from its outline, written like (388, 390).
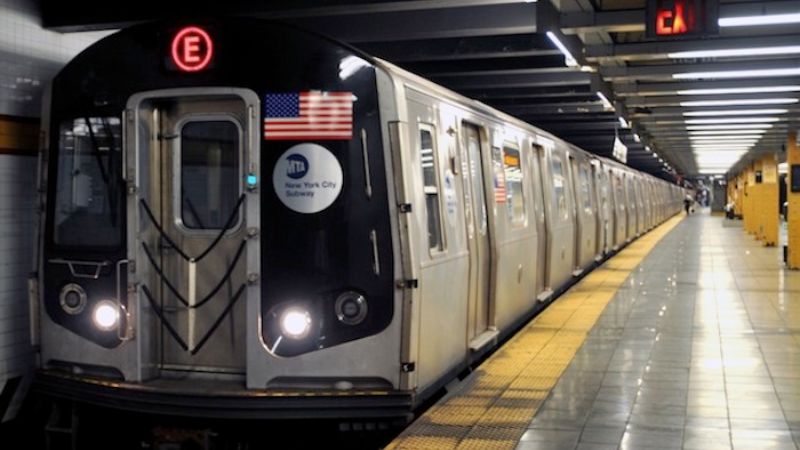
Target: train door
(477, 233)
(601, 217)
(193, 166)
(537, 168)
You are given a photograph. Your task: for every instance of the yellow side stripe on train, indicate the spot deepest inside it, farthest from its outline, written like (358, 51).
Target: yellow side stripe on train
(492, 408)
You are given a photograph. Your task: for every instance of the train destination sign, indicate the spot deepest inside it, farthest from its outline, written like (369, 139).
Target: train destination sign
(676, 18)
(192, 49)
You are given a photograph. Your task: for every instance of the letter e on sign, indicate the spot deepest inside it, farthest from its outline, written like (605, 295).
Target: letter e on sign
(192, 49)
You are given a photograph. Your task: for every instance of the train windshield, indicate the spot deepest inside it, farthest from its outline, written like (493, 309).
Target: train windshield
(87, 205)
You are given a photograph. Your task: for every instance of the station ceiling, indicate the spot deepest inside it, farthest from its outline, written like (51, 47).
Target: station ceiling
(681, 106)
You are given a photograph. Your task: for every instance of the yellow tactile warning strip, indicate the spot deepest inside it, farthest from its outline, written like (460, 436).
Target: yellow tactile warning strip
(492, 408)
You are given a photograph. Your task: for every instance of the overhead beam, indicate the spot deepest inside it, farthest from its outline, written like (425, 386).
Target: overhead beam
(647, 51)
(662, 72)
(646, 89)
(676, 100)
(485, 20)
(634, 19)
(515, 80)
(472, 48)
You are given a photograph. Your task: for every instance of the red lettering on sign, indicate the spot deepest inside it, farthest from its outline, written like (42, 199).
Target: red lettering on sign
(679, 23)
(675, 20)
(661, 22)
(192, 49)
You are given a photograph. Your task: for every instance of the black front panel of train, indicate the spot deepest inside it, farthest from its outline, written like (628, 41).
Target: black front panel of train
(308, 259)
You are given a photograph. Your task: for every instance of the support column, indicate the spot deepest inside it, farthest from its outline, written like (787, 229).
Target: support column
(738, 207)
(749, 196)
(767, 206)
(793, 223)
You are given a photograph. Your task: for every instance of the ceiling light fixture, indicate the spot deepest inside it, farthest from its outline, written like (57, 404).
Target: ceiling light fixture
(749, 21)
(606, 102)
(741, 138)
(757, 51)
(742, 102)
(727, 132)
(742, 127)
(752, 73)
(568, 58)
(734, 112)
(741, 90)
(743, 120)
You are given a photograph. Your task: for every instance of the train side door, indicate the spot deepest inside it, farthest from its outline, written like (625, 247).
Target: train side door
(477, 233)
(194, 171)
(542, 232)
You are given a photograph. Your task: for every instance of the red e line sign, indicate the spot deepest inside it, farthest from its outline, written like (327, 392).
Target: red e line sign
(192, 49)
(676, 18)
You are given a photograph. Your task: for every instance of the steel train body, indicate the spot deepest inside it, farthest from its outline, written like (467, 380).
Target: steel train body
(196, 261)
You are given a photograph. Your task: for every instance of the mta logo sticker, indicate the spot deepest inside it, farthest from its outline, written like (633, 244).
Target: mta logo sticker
(307, 178)
(296, 166)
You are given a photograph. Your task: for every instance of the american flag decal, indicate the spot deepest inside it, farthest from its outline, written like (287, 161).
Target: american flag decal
(311, 115)
(500, 192)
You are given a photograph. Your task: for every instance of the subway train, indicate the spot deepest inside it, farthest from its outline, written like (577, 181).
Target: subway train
(246, 220)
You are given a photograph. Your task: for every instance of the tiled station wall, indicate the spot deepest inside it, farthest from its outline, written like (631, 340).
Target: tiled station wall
(29, 57)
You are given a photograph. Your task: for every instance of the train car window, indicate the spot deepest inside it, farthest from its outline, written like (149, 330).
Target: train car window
(88, 199)
(430, 181)
(586, 188)
(512, 163)
(559, 195)
(209, 173)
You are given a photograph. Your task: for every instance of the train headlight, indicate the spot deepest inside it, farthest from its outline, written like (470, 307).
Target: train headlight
(351, 308)
(105, 315)
(295, 323)
(72, 298)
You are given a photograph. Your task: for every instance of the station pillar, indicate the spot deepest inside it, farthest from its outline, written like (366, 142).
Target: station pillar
(766, 208)
(749, 197)
(793, 197)
(738, 206)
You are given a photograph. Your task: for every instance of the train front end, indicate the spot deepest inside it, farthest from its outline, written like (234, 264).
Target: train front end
(217, 236)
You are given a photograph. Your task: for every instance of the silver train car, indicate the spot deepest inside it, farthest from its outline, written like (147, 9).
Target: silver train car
(242, 219)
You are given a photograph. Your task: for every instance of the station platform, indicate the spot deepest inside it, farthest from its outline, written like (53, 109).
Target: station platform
(689, 338)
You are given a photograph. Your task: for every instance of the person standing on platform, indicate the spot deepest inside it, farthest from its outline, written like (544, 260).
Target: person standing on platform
(687, 203)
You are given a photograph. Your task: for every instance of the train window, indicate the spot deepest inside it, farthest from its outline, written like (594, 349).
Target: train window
(88, 203)
(209, 173)
(586, 188)
(512, 162)
(559, 195)
(430, 182)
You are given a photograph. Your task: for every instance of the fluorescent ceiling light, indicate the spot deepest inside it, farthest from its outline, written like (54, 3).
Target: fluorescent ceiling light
(753, 73)
(726, 132)
(735, 112)
(637, 138)
(742, 127)
(733, 120)
(726, 139)
(721, 146)
(742, 90)
(723, 136)
(568, 58)
(718, 154)
(714, 171)
(748, 101)
(758, 51)
(606, 103)
(749, 21)
(623, 122)
(647, 148)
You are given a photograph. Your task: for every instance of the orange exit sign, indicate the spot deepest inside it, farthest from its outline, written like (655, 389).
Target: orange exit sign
(678, 18)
